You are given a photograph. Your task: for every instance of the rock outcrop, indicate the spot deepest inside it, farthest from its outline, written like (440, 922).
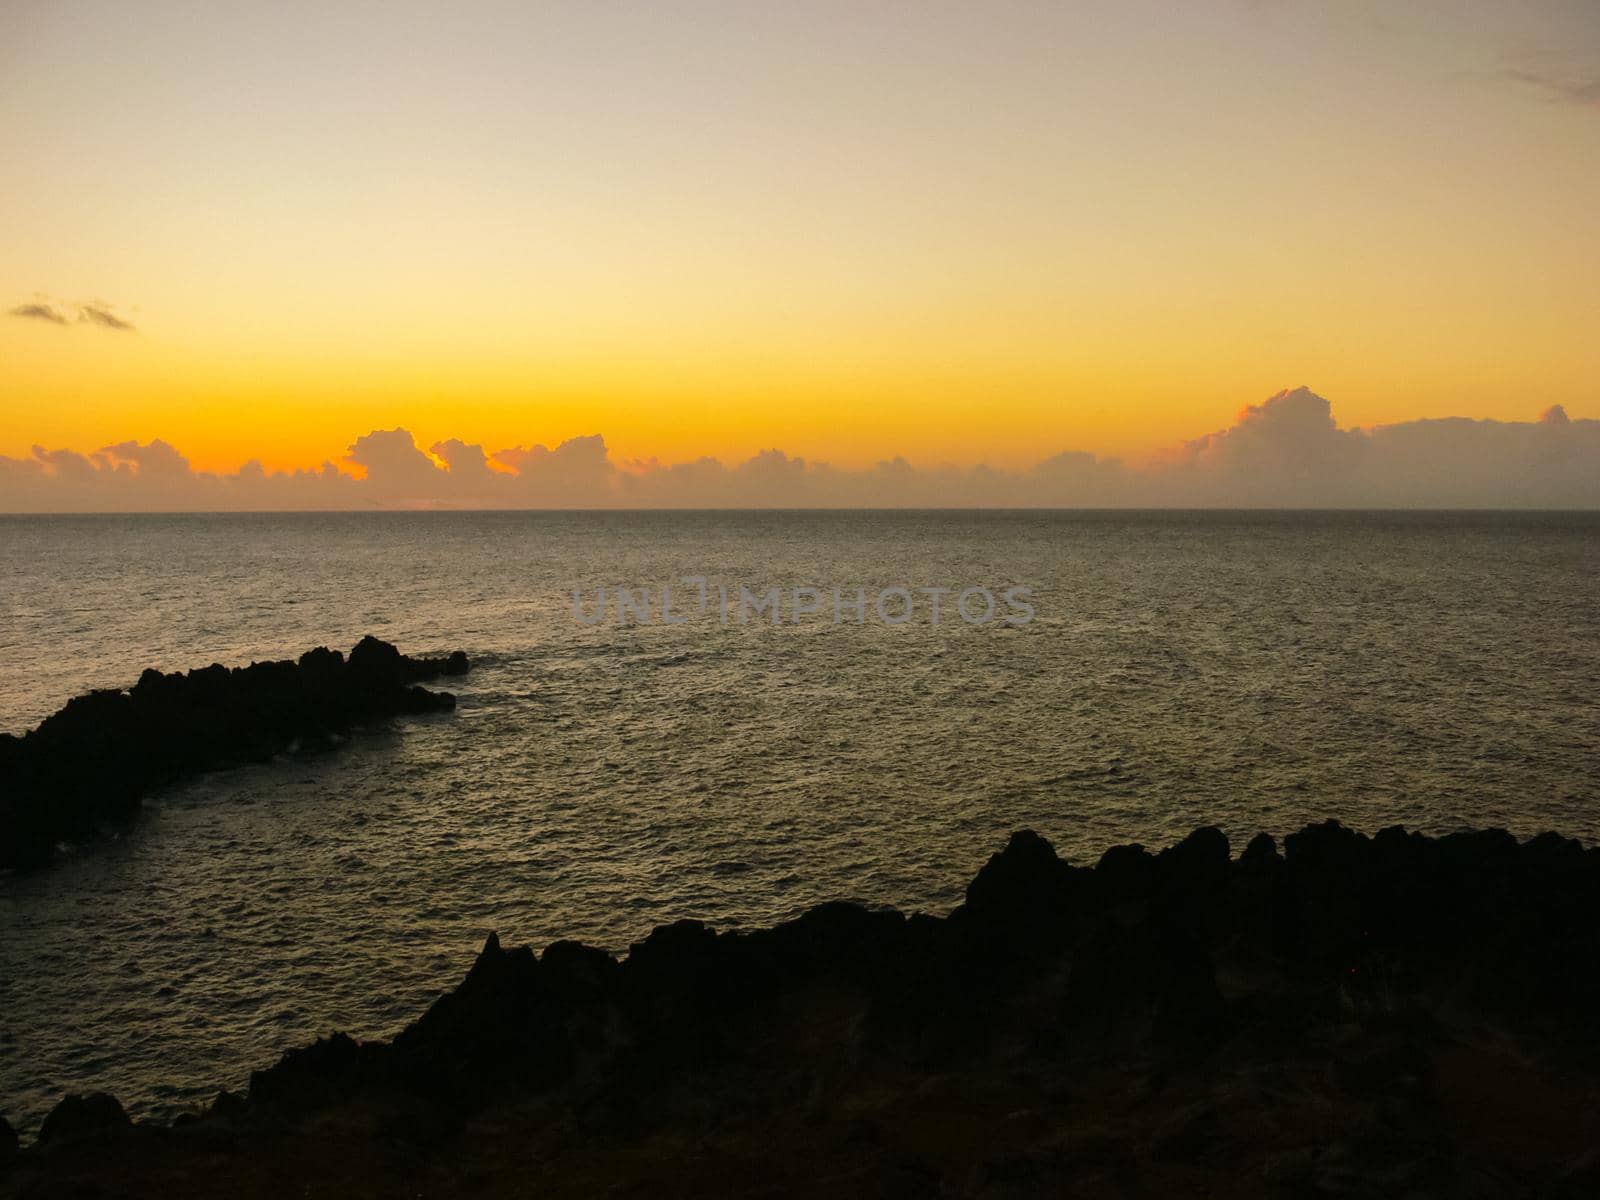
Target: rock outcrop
(79, 1118)
(87, 766)
(1387, 1015)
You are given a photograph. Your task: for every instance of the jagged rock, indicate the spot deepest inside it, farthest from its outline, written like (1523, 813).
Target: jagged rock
(1125, 875)
(330, 1070)
(1261, 854)
(1196, 867)
(88, 764)
(1118, 1035)
(1327, 875)
(78, 1118)
(690, 987)
(8, 1141)
(1552, 852)
(578, 974)
(1193, 887)
(836, 940)
(1325, 847)
(226, 1106)
(1025, 887)
(504, 1023)
(377, 665)
(1262, 919)
(937, 988)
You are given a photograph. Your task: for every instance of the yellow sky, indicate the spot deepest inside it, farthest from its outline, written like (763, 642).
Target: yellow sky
(947, 231)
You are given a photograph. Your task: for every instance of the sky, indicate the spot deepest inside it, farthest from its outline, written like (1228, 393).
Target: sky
(950, 234)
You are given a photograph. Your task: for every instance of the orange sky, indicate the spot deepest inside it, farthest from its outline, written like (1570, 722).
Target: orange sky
(938, 230)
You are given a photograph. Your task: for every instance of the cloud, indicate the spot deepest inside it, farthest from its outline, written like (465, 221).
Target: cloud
(396, 472)
(158, 459)
(1288, 451)
(97, 313)
(1569, 89)
(1288, 445)
(463, 461)
(38, 312)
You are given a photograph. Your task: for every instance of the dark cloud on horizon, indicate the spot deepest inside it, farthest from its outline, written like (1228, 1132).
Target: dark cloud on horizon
(1286, 452)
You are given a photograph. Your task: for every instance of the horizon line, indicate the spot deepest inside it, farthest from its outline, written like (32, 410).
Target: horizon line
(439, 510)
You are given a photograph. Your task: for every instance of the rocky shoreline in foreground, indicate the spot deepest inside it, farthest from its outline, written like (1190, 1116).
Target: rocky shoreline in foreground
(1394, 1015)
(87, 766)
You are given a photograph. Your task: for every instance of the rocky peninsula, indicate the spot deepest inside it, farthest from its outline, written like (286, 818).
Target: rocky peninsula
(1344, 1015)
(87, 766)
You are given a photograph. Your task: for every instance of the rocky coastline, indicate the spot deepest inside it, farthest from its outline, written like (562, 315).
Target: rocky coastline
(87, 766)
(1344, 1015)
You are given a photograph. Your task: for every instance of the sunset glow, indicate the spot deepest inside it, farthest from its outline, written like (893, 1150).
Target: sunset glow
(952, 233)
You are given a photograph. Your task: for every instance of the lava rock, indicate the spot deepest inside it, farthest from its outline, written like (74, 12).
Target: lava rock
(936, 1019)
(78, 1118)
(88, 765)
(1025, 885)
(1125, 875)
(1144, 981)
(329, 1071)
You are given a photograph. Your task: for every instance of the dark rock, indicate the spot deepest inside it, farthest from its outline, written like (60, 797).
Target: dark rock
(1193, 883)
(88, 765)
(1021, 1175)
(226, 1106)
(1263, 919)
(1125, 875)
(1024, 896)
(78, 1118)
(1261, 854)
(1327, 872)
(1552, 852)
(1192, 1135)
(939, 988)
(8, 1141)
(1047, 976)
(504, 1024)
(836, 940)
(377, 665)
(1404, 1069)
(909, 1177)
(689, 986)
(1149, 980)
(1198, 864)
(1327, 846)
(578, 974)
(329, 1071)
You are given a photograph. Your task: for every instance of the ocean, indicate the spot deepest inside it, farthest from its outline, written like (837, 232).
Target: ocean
(1253, 670)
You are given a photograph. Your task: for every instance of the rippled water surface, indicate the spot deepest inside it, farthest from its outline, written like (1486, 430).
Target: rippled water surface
(1251, 670)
